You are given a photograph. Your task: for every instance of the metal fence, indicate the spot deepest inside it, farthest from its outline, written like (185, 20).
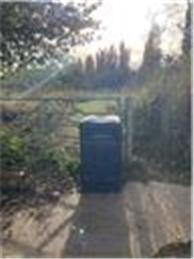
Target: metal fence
(53, 123)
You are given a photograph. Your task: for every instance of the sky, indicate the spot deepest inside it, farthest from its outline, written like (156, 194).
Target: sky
(130, 21)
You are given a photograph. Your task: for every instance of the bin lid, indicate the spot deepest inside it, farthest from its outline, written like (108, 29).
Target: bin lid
(101, 119)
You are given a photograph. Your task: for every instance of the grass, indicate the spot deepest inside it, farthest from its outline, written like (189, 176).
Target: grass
(95, 107)
(67, 91)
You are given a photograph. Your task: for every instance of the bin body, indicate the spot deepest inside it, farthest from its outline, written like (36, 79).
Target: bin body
(101, 158)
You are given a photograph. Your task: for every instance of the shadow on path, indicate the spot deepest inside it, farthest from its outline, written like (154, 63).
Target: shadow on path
(141, 170)
(99, 228)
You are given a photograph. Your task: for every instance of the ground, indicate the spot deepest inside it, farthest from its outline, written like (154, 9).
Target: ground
(143, 220)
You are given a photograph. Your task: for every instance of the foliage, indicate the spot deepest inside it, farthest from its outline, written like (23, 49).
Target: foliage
(152, 55)
(162, 125)
(30, 152)
(109, 68)
(12, 151)
(162, 119)
(187, 33)
(33, 31)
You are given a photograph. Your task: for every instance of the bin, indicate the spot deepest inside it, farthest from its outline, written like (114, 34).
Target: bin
(101, 153)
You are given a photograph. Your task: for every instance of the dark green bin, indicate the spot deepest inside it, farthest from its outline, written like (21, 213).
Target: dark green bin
(101, 154)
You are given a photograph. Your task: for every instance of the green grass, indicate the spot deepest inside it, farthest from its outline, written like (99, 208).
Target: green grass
(68, 91)
(95, 107)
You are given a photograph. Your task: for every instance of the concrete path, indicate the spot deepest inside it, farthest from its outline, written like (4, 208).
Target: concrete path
(134, 223)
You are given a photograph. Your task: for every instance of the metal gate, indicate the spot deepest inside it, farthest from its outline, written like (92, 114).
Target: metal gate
(53, 122)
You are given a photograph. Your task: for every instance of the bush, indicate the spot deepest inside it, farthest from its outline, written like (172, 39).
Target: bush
(28, 155)
(12, 153)
(162, 121)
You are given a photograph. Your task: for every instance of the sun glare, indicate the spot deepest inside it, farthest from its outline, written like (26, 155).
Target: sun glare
(128, 21)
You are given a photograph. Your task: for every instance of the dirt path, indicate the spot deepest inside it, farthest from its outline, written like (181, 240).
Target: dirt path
(135, 223)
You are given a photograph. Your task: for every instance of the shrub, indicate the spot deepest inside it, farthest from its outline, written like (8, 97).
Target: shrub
(34, 158)
(12, 152)
(162, 121)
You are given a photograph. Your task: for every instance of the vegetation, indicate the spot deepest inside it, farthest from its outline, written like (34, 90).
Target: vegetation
(28, 165)
(161, 90)
(38, 151)
(162, 124)
(32, 31)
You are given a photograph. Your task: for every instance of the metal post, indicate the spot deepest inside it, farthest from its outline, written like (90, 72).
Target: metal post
(128, 114)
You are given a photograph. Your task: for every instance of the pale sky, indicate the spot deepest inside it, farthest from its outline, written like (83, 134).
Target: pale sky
(129, 21)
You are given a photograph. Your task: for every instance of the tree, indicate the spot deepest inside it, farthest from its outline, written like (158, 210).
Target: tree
(111, 58)
(106, 68)
(89, 70)
(110, 69)
(124, 60)
(187, 37)
(101, 61)
(89, 66)
(70, 76)
(152, 53)
(38, 31)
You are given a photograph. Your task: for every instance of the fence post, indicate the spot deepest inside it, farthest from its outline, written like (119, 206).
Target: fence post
(128, 120)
